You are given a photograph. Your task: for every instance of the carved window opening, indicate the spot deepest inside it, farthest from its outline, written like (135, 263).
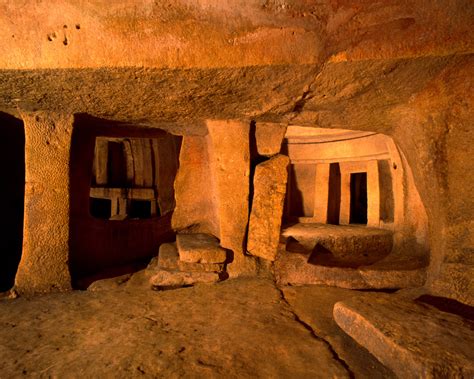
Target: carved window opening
(125, 179)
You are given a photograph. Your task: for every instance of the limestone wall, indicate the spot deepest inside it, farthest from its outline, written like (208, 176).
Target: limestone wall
(402, 69)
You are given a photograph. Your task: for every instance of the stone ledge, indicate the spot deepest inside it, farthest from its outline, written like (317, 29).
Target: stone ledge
(413, 339)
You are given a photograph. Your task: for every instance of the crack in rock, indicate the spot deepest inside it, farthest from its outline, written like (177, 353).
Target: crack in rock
(314, 335)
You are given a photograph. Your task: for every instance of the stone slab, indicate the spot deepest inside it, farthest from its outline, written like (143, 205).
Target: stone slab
(267, 207)
(175, 279)
(269, 137)
(200, 248)
(349, 246)
(294, 269)
(413, 339)
(230, 161)
(168, 259)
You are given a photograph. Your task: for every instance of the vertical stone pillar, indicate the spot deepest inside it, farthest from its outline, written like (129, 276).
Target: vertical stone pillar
(345, 210)
(231, 165)
(373, 194)
(196, 200)
(100, 161)
(269, 185)
(44, 262)
(130, 164)
(166, 166)
(321, 197)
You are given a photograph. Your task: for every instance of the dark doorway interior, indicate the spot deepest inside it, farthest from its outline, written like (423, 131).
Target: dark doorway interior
(116, 165)
(12, 193)
(140, 209)
(358, 198)
(334, 196)
(100, 208)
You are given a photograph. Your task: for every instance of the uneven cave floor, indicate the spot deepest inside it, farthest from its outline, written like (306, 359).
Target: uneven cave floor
(234, 329)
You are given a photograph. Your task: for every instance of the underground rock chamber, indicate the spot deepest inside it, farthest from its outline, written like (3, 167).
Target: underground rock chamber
(327, 206)
(246, 188)
(352, 212)
(322, 206)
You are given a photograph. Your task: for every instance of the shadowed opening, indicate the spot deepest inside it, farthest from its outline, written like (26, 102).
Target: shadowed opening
(358, 210)
(12, 192)
(122, 197)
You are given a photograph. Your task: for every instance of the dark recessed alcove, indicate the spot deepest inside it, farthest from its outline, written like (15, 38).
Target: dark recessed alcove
(358, 212)
(12, 192)
(105, 242)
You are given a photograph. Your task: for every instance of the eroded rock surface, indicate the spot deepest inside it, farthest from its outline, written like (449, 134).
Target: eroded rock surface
(269, 137)
(231, 166)
(413, 339)
(237, 329)
(267, 207)
(314, 306)
(168, 259)
(164, 279)
(200, 248)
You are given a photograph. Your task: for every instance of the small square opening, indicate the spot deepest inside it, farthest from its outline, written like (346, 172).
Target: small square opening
(140, 209)
(100, 208)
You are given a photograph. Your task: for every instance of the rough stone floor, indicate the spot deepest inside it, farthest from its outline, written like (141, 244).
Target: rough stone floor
(234, 329)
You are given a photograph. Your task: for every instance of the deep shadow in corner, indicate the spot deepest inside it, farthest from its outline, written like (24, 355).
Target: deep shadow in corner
(12, 192)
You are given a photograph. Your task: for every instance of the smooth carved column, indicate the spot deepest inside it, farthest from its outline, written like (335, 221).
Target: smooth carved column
(321, 197)
(44, 261)
(345, 209)
(373, 194)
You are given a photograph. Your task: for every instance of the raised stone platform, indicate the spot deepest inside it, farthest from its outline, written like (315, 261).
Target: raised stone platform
(411, 338)
(339, 245)
(355, 257)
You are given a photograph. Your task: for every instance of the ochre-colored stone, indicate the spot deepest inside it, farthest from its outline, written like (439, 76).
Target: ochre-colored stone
(230, 157)
(269, 137)
(165, 278)
(44, 262)
(267, 207)
(194, 188)
(412, 339)
(200, 248)
(168, 259)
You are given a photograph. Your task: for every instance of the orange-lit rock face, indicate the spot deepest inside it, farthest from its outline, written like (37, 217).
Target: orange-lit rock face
(317, 146)
(401, 69)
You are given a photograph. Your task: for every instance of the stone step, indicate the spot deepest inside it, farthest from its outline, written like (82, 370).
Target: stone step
(200, 248)
(411, 338)
(168, 259)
